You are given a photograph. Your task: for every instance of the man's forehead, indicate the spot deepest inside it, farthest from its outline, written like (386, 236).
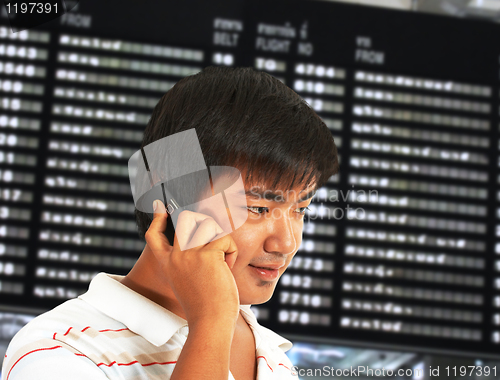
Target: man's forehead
(280, 195)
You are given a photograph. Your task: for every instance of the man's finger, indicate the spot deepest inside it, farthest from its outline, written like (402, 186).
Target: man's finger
(186, 226)
(155, 237)
(207, 230)
(228, 247)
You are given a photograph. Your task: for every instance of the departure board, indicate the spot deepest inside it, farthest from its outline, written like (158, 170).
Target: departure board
(401, 248)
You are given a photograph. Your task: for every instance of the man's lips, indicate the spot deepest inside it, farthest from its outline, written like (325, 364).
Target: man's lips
(269, 266)
(266, 272)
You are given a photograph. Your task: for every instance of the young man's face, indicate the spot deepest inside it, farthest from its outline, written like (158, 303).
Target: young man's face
(268, 240)
(268, 232)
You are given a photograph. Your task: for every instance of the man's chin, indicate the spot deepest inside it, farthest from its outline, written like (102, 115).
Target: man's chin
(256, 299)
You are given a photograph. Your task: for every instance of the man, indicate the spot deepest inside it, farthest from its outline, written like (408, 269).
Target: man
(185, 313)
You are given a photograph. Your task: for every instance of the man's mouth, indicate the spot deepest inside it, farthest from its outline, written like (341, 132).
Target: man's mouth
(267, 272)
(270, 266)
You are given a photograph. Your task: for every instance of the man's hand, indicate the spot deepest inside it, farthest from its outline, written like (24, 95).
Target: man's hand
(199, 275)
(204, 286)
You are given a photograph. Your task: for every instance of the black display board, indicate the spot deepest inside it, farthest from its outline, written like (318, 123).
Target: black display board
(401, 248)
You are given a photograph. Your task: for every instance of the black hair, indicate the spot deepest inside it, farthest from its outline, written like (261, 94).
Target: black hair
(249, 120)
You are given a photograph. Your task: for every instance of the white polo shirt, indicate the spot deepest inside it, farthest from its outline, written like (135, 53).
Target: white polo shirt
(112, 332)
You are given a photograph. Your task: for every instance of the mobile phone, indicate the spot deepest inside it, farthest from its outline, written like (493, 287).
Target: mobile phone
(171, 206)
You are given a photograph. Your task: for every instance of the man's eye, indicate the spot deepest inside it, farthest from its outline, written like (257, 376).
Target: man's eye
(303, 210)
(258, 210)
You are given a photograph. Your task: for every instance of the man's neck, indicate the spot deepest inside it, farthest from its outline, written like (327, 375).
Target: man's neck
(146, 279)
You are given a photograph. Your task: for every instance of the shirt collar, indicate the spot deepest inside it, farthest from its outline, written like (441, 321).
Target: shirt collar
(273, 339)
(141, 315)
(150, 320)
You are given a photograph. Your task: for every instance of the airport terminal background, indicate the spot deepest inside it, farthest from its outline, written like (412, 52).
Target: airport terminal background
(413, 103)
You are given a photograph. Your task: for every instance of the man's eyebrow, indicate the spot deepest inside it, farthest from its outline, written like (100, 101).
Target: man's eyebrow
(275, 197)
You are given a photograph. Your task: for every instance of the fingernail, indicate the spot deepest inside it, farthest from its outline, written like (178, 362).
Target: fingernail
(155, 205)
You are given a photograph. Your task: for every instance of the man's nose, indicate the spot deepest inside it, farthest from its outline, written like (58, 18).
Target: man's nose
(281, 238)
